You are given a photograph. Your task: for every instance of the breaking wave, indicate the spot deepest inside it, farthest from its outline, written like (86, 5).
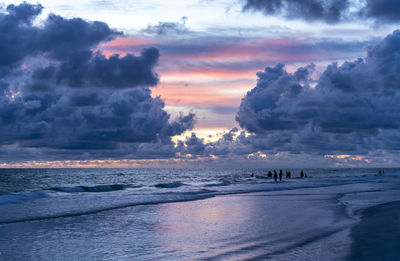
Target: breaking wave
(99, 188)
(18, 197)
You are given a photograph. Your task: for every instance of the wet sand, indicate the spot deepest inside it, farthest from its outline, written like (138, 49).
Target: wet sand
(377, 236)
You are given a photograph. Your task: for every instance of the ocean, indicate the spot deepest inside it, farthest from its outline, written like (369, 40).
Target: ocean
(198, 214)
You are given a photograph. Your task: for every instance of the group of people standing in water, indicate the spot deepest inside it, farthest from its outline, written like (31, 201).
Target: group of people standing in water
(280, 174)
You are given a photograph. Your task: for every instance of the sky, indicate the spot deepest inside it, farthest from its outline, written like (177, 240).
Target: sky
(240, 83)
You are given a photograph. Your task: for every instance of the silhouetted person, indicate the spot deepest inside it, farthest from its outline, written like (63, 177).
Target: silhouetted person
(252, 175)
(280, 175)
(275, 175)
(380, 172)
(301, 174)
(269, 174)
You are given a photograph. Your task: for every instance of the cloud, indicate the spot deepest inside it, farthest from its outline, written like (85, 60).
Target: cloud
(83, 69)
(104, 120)
(60, 99)
(68, 44)
(329, 11)
(194, 146)
(58, 38)
(167, 28)
(351, 108)
(384, 10)
(233, 55)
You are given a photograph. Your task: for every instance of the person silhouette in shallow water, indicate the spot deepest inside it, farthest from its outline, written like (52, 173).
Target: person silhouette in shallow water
(280, 175)
(275, 176)
(269, 174)
(252, 175)
(301, 174)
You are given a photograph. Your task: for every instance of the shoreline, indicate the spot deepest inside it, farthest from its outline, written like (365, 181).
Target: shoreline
(377, 235)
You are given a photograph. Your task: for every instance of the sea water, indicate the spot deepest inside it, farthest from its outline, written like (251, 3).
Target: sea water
(145, 214)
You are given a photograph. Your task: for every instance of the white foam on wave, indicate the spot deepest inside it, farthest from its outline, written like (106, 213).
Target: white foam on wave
(357, 202)
(386, 190)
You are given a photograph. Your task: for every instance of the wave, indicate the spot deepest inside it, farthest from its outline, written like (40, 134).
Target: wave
(223, 183)
(169, 185)
(104, 202)
(99, 188)
(18, 197)
(187, 197)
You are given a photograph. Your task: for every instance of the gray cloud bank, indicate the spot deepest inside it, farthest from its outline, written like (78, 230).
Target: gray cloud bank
(59, 99)
(330, 11)
(352, 108)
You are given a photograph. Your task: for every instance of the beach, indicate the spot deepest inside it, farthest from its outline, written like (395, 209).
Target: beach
(377, 236)
(308, 219)
(237, 227)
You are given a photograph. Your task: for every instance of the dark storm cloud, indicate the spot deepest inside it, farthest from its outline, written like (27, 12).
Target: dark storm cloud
(383, 10)
(352, 108)
(58, 38)
(59, 99)
(70, 120)
(68, 44)
(83, 69)
(62, 37)
(330, 11)
(194, 146)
